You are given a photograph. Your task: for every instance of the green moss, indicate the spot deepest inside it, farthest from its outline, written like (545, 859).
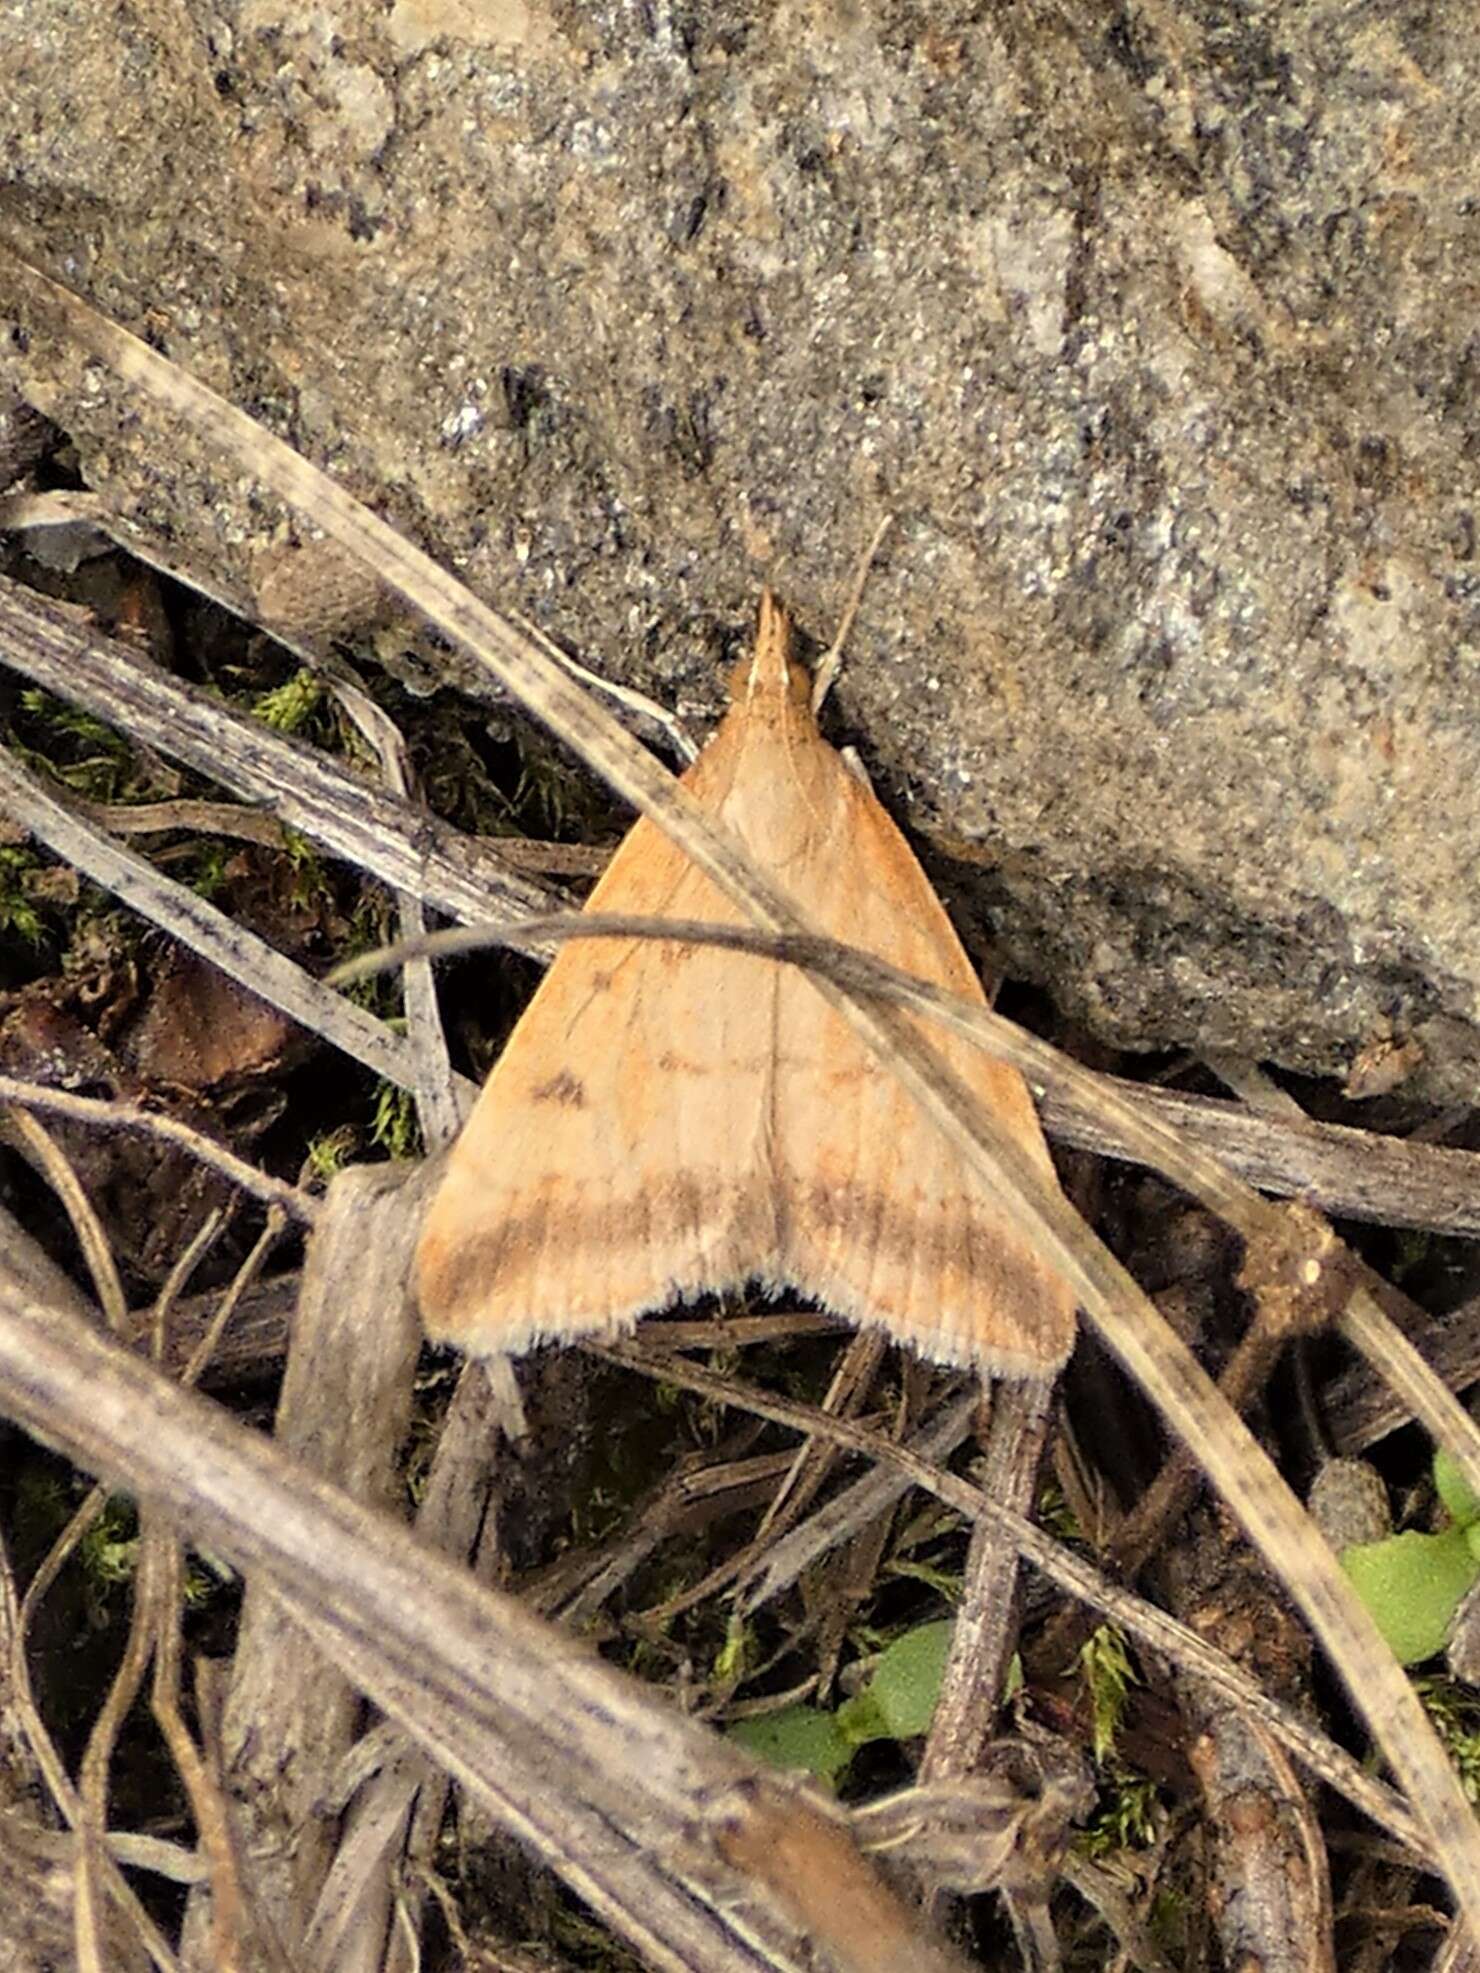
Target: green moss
(1108, 1675)
(289, 707)
(18, 913)
(393, 1125)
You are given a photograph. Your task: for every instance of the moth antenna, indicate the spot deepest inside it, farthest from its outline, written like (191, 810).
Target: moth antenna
(832, 664)
(637, 703)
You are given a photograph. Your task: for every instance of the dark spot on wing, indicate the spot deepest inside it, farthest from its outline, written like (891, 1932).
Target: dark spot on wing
(567, 1090)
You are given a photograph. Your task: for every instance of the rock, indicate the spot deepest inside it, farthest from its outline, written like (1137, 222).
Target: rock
(1152, 325)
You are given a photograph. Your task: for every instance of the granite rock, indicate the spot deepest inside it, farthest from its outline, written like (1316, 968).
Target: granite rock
(1152, 325)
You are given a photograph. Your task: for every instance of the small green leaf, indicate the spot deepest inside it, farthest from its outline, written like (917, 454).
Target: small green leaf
(1013, 1684)
(898, 1701)
(859, 1720)
(730, 1659)
(800, 1737)
(1454, 1489)
(1412, 1584)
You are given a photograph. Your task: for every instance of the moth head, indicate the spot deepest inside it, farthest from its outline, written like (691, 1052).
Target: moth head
(768, 670)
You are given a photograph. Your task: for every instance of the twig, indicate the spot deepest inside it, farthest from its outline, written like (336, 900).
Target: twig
(92, 1872)
(680, 1502)
(95, 1867)
(598, 1774)
(1372, 1332)
(161, 1580)
(1358, 1407)
(403, 846)
(851, 1381)
(13, 1621)
(841, 1517)
(256, 825)
(104, 1114)
(1351, 1174)
(982, 1639)
(228, 1303)
(1173, 1490)
(195, 818)
(434, 1085)
(238, 952)
(37, 1144)
(407, 1788)
(344, 1410)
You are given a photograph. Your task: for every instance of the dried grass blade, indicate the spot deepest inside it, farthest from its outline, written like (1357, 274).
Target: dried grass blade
(524, 1716)
(240, 954)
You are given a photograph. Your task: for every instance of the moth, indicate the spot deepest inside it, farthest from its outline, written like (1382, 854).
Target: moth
(668, 1121)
